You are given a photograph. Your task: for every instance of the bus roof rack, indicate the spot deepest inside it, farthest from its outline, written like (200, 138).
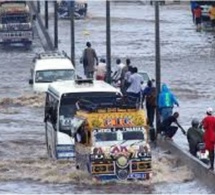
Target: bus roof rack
(12, 1)
(51, 55)
(83, 81)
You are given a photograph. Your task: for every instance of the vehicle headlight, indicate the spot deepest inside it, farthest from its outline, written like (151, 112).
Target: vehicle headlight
(65, 122)
(143, 154)
(29, 26)
(122, 161)
(96, 156)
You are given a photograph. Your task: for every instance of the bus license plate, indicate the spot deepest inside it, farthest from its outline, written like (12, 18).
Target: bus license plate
(137, 176)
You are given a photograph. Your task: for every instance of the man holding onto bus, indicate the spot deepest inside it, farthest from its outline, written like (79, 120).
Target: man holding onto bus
(198, 17)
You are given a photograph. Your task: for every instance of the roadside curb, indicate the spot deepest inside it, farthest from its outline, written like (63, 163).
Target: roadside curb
(199, 169)
(43, 33)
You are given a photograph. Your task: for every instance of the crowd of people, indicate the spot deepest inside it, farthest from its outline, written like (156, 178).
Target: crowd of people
(127, 78)
(197, 14)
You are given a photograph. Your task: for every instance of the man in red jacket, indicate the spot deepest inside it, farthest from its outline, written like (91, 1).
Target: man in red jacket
(198, 17)
(208, 124)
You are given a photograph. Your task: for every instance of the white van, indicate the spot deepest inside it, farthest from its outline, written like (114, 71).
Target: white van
(61, 106)
(49, 67)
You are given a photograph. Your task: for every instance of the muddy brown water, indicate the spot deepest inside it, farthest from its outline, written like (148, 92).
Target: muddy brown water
(187, 66)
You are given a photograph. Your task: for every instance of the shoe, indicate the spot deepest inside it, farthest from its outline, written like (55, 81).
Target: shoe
(211, 168)
(168, 138)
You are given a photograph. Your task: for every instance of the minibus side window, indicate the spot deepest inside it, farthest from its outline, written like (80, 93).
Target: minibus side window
(47, 108)
(51, 109)
(54, 112)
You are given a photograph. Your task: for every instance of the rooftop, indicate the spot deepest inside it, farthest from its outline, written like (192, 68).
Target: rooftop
(53, 64)
(62, 87)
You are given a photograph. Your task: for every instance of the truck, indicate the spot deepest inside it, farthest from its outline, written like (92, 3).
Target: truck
(15, 23)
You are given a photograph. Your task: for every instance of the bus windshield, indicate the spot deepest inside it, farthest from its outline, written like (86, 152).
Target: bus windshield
(133, 135)
(118, 136)
(68, 101)
(105, 136)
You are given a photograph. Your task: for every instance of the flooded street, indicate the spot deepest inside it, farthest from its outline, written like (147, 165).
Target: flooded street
(187, 66)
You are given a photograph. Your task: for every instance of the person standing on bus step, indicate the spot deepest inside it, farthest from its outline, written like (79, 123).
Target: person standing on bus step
(125, 69)
(198, 17)
(117, 75)
(149, 94)
(89, 57)
(101, 70)
(208, 123)
(212, 15)
(135, 87)
(166, 101)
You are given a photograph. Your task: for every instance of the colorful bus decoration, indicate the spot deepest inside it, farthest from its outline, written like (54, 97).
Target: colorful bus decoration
(114, 145)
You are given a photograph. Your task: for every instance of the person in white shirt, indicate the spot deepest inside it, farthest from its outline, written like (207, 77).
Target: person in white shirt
(125, 75)
(135, 81)
(117, 76)
(101, 70)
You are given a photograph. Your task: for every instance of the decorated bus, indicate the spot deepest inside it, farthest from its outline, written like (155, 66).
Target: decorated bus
(111, 140)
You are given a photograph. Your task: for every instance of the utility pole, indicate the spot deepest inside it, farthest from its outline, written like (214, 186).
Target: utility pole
(72, 17)
(157, 60)
(55, 24)
(38, 6)
(46, 14)
(108, 41)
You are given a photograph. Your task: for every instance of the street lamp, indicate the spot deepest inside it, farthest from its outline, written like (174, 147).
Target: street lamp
(38, 6)
(46, 14)
(72, 17)
(157, 60)
(55, 24)
(108, 41)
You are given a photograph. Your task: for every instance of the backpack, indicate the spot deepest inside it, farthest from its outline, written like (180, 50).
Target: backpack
(151, 97)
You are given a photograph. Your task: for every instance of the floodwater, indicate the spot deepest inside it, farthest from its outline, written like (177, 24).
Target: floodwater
(187, 65)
